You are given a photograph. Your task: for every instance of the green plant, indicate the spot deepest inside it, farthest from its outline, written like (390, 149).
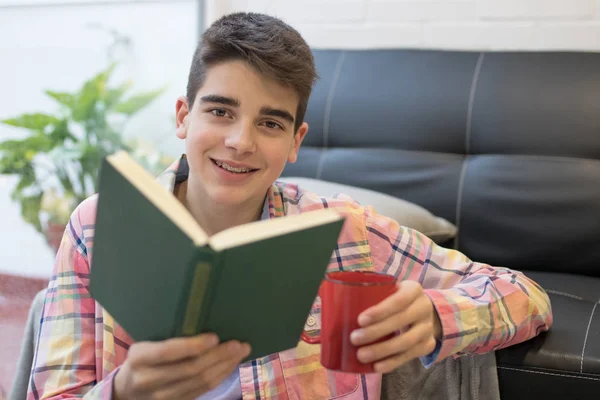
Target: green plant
(57, 164)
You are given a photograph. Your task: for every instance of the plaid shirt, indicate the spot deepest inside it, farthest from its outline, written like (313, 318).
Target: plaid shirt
(80, 347)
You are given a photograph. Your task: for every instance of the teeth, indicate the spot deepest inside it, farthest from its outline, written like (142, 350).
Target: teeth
(232, 169)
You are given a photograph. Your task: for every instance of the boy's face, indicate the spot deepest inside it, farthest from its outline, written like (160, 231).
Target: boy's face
(239, 134)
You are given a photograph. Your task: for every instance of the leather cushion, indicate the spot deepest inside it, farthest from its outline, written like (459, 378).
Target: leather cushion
(573, 343)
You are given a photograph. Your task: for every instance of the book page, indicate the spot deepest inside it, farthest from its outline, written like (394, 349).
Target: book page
(260, 230)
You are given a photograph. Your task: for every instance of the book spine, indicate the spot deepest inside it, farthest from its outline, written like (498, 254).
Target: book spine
(196, 299)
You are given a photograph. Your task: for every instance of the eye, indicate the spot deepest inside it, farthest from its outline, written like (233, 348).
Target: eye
(219, 112)
(273, 125)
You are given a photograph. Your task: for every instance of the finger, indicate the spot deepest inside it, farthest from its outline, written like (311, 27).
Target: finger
(423, 348)
(407, 292)
(203, 381)
(398, 344)
(157, 375)
(170, 350)
(218, 374)
(416, 312)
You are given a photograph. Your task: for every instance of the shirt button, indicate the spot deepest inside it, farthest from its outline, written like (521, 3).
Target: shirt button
(311, 321)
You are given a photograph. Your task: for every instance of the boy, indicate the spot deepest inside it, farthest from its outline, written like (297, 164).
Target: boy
(242, 121)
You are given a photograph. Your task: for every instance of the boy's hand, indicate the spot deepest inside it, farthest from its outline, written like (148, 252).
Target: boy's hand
(181, 368)
(409, 311)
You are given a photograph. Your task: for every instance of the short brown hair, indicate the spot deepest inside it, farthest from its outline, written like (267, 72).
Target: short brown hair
(269, 45)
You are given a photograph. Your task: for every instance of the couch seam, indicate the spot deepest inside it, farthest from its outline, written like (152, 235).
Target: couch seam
(459, 196)
(328, 106)
(474, 82)
(549, 373)
(564, 294)
(461, 181)
(587, 332)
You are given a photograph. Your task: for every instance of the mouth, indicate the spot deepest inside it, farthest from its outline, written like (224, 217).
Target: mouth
(233, 169)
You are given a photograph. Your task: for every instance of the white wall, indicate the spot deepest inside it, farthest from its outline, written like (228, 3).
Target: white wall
(53, 47)
(446, 24)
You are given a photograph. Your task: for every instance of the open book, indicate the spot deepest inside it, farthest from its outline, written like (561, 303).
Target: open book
(160, 276)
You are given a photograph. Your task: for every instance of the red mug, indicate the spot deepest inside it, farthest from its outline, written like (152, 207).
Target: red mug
(344, 295)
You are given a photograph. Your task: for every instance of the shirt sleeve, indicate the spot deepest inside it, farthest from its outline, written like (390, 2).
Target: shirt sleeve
(481, 308)
(64, 365)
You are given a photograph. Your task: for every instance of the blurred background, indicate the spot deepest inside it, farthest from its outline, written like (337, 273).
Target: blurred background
(81, 78)
(58, 45)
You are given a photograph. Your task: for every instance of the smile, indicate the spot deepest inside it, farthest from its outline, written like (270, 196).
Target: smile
(234, 170)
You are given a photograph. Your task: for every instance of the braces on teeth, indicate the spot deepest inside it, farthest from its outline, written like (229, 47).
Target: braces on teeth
(232, 169)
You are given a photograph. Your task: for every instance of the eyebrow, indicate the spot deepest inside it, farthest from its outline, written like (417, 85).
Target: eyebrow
(274, 112)
(215, 98)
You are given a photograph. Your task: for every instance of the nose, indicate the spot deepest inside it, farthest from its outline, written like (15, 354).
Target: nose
(241, 139)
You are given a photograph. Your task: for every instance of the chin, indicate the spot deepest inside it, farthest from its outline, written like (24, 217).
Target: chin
(226, 196)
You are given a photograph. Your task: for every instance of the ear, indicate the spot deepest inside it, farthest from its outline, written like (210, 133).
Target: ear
(298, 138)
(181, 115)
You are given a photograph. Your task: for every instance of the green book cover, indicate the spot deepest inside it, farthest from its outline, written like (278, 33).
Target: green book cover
(159, 275)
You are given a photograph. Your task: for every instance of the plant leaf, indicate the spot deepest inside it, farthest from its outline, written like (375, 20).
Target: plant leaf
(93, 90)
(11, 145)
(64, 98)
(92, 160)
(83, 108)
(137, 102)
(35, 143)
(61, 133)
(35, 121)
(30, 210)
(27, 180)
(113, 96)
(13, 165)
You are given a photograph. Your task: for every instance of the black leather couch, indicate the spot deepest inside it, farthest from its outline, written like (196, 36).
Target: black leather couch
(505, 145)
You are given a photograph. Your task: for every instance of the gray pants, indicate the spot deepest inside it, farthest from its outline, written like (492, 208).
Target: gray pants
(472, 377)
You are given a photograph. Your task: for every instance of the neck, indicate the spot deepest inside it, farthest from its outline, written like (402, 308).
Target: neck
(214, 218)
